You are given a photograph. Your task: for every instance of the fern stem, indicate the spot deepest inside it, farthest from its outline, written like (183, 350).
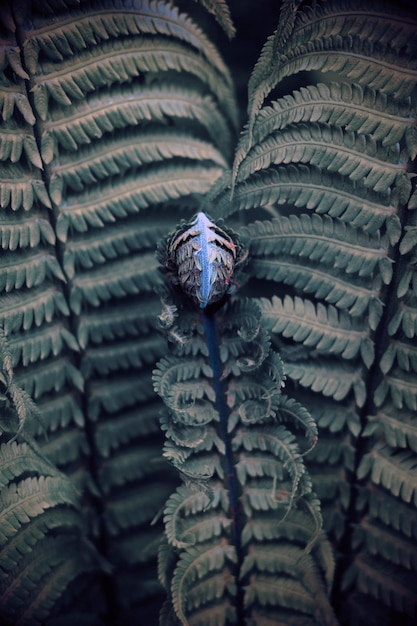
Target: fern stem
(212, 340)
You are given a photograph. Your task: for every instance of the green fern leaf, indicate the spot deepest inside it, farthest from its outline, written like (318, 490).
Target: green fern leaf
(131, 195)
(115, 156)
(29, 498)
(196, 563)
(356, 156)
(354, 296)
(128, 426)
(324, 328)
(331, 242)
(23, 309)
(145, 17)
(101, 113)
(116, 279)
(99, 326)
(394, 471)
(332, 380)
(393, 512)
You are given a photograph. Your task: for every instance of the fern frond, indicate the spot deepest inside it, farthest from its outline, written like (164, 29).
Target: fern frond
(19, 189)
(139, 506)
(197, 563)
(23, 309)
(118, 393)
(396, 471)
(398, 427)
(17, 141)
(321, 239)
(374, 64)
(100, 23)
(329, 378)
(330, 148)
(29, 269)
(50, 375)
(122, 320)
(116, 279)
(29, 498)
(354, 296)
(318, 326)
(121, 356)
(356, 108)
(128, 426)
(118, 199)
(386, 582)
(308, 186)
(120, 61)
(401, 388)
(22, 231)
(220, 10)
(386, 543)
(116, 155)
(15, 459)
(39, 344)
(102, 113)
(393, 512)
(128, 466)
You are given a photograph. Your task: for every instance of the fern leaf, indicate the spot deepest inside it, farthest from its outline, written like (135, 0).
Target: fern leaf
(42, 343)
(324, 328)
(109, 62)
(355, 296)
(318, 238)
(121, 356)
(99, 326)
(356, 156)
(129, 466)
(382, 580)
(21, 231)
(331, 380)
(126, 107)
(50, 375)
(116, 279)
(25, 308)
(398, 427)
(143, 18)
(315, 189)
(96, 162)
(29, 498)
(128, 426)
(401, 387)
(394, 471)
(138, 507)
(15, 459)
(393, 512)
(360, 110)
(195, 564)
(118, 393)
(130, 196)
(91, 249)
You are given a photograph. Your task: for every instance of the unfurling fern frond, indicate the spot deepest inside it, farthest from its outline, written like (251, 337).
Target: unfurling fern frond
(229, 433)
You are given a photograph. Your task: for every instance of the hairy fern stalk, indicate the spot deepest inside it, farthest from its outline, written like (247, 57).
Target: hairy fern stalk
(119, 121)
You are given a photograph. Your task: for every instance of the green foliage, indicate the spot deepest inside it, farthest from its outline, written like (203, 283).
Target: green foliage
(216, 567)
(117, 118)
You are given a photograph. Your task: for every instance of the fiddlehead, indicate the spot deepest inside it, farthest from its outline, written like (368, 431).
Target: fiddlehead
(245, 523)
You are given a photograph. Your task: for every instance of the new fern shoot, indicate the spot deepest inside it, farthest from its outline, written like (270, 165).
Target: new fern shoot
(243, 532)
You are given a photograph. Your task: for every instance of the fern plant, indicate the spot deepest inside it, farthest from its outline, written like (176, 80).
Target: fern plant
(117, 120)
(111, 116)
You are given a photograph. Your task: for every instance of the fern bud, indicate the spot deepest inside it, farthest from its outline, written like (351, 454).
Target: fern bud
(201, 258)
